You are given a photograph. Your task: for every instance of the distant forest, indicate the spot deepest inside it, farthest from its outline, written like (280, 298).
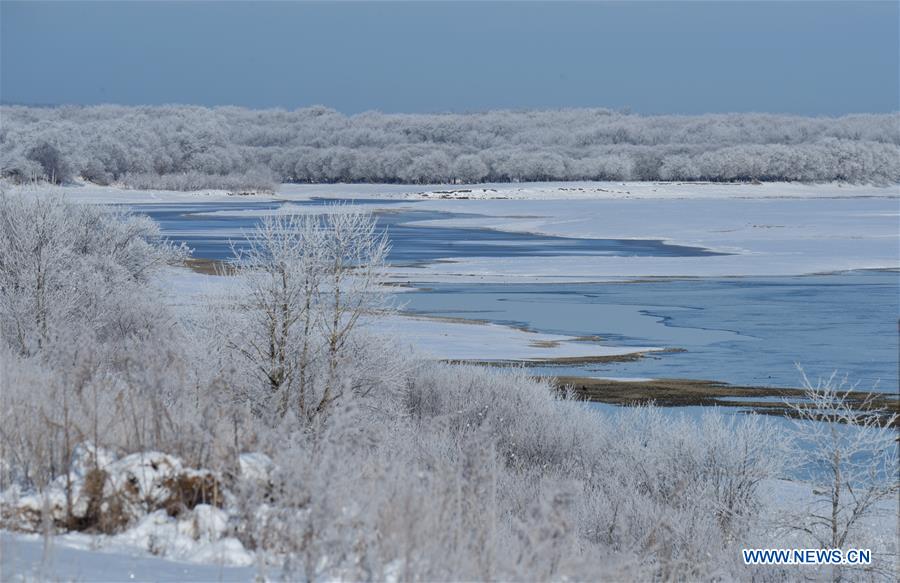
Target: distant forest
(186, 147)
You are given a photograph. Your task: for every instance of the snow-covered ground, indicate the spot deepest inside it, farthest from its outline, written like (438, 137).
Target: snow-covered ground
(126, 557)
(94, 194)
(438, 338)
(763, 230)
(90, 193)
(792, 497)
(773, 229)
(762, 236)
(76, 557)
(196, 543)
(593, 191)
(455, 340)
(766, 229)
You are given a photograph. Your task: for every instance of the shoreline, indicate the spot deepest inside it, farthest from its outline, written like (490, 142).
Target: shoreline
(706, 393)
(590, 359)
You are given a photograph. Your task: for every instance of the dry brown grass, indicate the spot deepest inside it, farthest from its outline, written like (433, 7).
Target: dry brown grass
(686, 392)
(209, 266)
(189, 490)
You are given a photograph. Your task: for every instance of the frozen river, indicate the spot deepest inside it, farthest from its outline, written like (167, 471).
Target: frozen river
(209, 227)
(747, 331)
(741, 330)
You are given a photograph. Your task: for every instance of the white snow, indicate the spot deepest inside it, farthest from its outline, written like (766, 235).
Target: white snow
(141, 483)
(436, 338)
(585, 191)
(777, 236)
(773, 229)
(80, 557)
(130, 556)
(797, 497)
(94, 194)
(255, 467)
(90, 193)
(285, 209)
(197, 539)
(453, 340)
(136, 482)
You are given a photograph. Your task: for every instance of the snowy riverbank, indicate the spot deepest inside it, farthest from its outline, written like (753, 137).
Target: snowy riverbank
(437, 338)
(775, 229)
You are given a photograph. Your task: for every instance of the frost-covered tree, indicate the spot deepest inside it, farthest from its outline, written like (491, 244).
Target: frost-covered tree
(848, 452)
(53, 163)
(83, 336)
(310, 281)
(66, 267)
(469, 168)
(354, 253)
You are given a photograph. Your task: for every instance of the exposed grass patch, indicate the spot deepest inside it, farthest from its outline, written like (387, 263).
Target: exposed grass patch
(209, 266)
(545, 343)
(594, 359)
(687, 392)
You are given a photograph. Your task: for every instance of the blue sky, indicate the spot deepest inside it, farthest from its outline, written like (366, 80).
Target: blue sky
(816, 58)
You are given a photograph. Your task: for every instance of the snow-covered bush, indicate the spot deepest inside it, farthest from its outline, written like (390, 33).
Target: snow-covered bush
(67, 270)
(643, 482)
(309, 284)
(103, 494)
(848, 451)
(88, 348)
(55, 167)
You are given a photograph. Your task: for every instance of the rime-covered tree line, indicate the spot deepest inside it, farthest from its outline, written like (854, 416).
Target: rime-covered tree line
(183, 147)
